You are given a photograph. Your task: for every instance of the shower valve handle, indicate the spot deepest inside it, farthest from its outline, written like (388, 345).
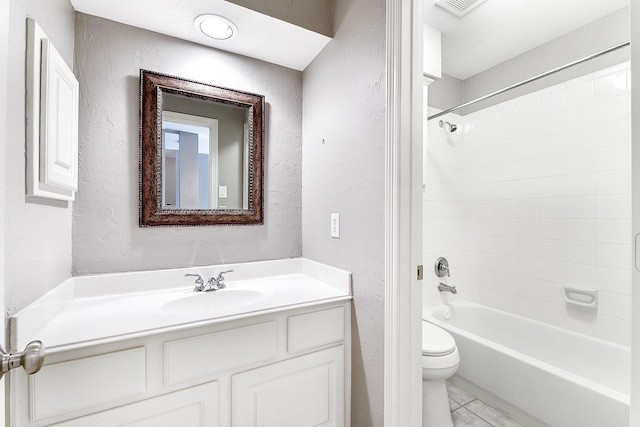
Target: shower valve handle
(442, 267)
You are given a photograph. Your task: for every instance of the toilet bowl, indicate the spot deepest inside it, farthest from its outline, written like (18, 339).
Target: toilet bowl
(440, 360)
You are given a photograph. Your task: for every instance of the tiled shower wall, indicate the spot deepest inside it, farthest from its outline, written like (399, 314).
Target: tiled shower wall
(534, 193)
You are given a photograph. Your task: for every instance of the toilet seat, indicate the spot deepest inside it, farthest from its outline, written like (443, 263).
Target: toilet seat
(436, 342)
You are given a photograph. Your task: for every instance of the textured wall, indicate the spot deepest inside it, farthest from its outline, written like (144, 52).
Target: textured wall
(343, 157)
(106, 236)
(38, 232)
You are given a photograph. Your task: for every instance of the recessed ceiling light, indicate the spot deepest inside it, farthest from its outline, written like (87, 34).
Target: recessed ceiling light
(216, 26)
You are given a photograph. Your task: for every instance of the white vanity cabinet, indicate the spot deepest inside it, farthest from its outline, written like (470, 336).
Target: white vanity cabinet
(305, 391)
(195, 406)
(280, 368)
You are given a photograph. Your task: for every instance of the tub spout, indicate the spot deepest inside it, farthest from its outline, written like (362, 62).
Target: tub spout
(446, 288)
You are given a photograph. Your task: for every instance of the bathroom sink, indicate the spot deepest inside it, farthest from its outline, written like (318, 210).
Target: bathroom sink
(211, 302)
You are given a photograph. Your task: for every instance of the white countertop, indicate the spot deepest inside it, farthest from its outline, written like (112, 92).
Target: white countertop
(92, 310)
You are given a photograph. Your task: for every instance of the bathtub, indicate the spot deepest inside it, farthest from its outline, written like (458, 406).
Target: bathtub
(539, 374)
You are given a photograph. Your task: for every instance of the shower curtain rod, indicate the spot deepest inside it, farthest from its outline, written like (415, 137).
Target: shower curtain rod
(529, 80)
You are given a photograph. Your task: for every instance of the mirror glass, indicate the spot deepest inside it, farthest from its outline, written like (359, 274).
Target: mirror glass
(201, 153)
(205, 154)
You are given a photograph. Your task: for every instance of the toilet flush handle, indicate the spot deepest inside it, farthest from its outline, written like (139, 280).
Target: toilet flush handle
(442, 267)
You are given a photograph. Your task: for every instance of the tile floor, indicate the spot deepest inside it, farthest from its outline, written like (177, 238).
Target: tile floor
(467, 410)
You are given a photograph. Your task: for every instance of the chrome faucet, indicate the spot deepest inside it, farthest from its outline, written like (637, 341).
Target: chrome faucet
(446, 288)
(215, 283)
(199, 282)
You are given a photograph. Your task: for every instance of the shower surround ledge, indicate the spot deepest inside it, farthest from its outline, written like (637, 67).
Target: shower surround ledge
(92, 310)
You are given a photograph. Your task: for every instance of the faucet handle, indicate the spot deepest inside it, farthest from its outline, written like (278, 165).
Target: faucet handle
(219, 281)
(221, 275)
(199, 282)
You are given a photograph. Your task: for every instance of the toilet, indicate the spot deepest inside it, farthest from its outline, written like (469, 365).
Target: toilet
(440, 360)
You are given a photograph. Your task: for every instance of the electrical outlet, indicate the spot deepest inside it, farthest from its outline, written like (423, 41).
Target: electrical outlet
(335, 225)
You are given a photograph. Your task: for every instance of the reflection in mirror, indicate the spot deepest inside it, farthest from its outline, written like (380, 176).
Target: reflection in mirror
(201, 153)
(214, 175)
(189, 161)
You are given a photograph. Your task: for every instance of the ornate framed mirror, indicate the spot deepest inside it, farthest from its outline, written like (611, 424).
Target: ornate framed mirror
(201, 153)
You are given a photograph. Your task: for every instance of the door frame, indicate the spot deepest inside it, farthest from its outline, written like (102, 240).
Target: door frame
(4, 82)
(634, 23)
(403, 212)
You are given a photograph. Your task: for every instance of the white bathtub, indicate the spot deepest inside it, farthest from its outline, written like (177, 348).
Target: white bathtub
(540, 374)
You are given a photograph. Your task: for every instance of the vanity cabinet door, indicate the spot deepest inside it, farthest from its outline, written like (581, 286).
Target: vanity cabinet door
(193, 407)
(305, 391)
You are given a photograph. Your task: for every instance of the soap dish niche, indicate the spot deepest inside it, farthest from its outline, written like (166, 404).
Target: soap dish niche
(581, 297)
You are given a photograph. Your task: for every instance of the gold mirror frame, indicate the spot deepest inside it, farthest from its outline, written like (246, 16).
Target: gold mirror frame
(152, 213)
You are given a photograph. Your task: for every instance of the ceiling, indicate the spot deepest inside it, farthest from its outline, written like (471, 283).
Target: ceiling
(495, 31)
(259, 36)
(498, 30)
